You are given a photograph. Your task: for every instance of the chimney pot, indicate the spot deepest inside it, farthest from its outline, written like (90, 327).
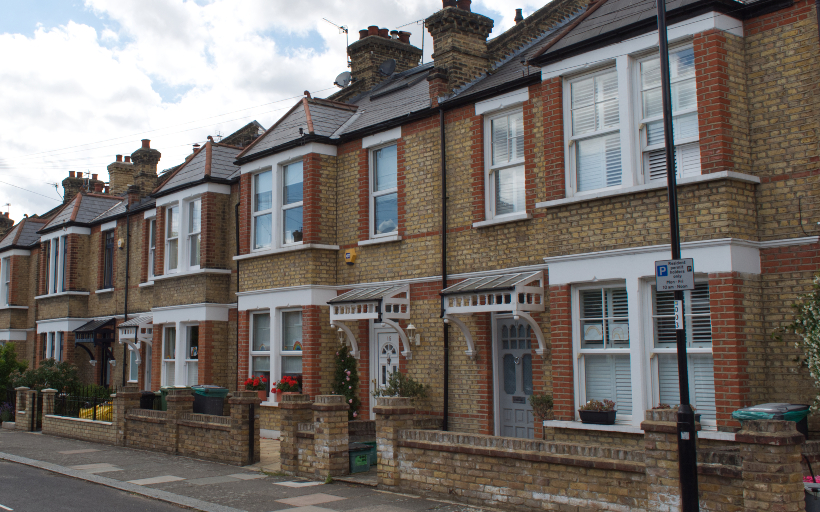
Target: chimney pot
(98, 187)
(519, 16)
(119, 158)
(106, 189)
(146, 143)
(70, 174)
(464, 4)
(373, 30)
(363, 33)
(384, 32)
(404, 37)
(93, 176)
(6, 214)
(394, 34)
(196, 146)
(128, 159)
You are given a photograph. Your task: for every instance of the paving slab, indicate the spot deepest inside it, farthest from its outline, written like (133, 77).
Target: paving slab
(164, 479)
(212, 480)
(311, 499)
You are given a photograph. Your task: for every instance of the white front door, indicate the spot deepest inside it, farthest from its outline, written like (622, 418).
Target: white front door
(513, 370)
(384, 357)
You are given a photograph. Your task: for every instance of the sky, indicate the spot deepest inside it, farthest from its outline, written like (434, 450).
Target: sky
(83, 81)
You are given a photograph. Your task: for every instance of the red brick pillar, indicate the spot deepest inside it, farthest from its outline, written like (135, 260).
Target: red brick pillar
(772, 473)
(553, 121)
(245, 213)
(393, 414)
(243, 364)
(295, 409)
(209, 234)
(563, 387)
(331, 437)
(311, 350)
(159, 255)
(312, 197)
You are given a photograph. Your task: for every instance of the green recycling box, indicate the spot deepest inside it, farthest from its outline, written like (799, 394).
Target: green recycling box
(359, 457)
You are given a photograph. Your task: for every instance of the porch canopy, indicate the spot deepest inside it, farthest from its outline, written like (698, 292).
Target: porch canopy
(383, 304)
(518, 294)
(97, 332)
(138, 329)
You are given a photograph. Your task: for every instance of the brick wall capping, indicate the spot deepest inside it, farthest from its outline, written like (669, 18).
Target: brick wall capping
(49, 391)
(769, 432)
(611, 192)
(330, 407)
(394, 401)
(389, 411)
(245, 400)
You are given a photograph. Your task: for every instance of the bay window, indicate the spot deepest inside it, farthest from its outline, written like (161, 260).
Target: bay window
(260, 346)
(505, 168)
(64, 266)
(291, 351)
(53, 348)
(384, 191)
(262, 209)
(292, 229)
(281, 356)
(152, 247)
(595, 141)
(172, 238)
(192, 355)
(49, 268)
(698, 334)
(684, 116)
(56, 265)
(169, 355)
(194, 231)
(603, 346)
(5, 281)
(108, 259)
(133, 369)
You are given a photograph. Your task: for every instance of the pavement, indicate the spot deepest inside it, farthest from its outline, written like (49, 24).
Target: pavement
(186, 482)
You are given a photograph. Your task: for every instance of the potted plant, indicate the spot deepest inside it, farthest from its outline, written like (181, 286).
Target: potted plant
(541, 407)
(598, 412)
(286, 384)
(258, 384)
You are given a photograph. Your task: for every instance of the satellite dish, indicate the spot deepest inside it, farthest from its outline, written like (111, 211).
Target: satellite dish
(343, 80)
(387, 67)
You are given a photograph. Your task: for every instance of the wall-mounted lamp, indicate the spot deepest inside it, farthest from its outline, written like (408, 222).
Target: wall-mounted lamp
(112, 363)
(93, 362)
(411, 334)
(340, 335)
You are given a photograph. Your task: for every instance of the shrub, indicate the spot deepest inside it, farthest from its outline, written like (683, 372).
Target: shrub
(346, 380)
(599, 406)
(541, 406)
(399, 384)
(9, 365)
(50, 374)
(6, 412)
(806, 325)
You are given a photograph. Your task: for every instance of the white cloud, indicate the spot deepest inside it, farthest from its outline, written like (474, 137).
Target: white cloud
(167, 70)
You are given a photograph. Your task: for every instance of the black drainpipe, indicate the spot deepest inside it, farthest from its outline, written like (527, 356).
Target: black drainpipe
(127, 270)
(236, 216)
(444, 270)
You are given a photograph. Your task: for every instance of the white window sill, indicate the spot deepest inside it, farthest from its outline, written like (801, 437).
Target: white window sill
(577, 425)
(192, 273)
(146, 284)
(722, 175)
(381, 240)
(717, 436)
(280, 250)
(13, 307)
(270, 404)
(61, 294)
(104, 290)
(506, 219)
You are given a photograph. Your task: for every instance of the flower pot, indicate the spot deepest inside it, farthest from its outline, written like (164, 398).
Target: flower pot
(598, 417)
(263, 395)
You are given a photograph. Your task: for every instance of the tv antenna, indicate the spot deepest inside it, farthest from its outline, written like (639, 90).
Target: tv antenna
(342, 30)
(56, 189)
(8, 206)
(218, 136)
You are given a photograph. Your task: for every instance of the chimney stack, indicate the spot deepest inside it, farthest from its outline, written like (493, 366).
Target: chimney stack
(459, 45)
(120, 175)
(133, 195)
(5, 223)
(72, 185)
(375, 46)
(98, 186)
(145, 162)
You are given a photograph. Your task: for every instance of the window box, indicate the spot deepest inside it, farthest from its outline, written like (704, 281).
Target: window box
(598, 417)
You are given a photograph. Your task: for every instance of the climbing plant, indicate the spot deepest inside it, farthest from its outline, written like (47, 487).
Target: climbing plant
(346, 380)
(806, 325)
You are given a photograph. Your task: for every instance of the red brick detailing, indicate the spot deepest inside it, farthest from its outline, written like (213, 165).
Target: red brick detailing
(209, 237)
(245, 214)
(438, 88)
(68, 347)
(363, 341)
(801, 10)
(74, 263)
(563, 386)
(483, 339)
(422, 125)
(156, 356)
(401, 196)
(539, 384)
(530, 131)
(714, 115)
(312, 197)
(794, 258)
(205, 366)
(243, 365)
(364, 194)
(146, 227)
(553, 101)
(17, 280)
(159, 257)
(726, 301)
(41, 281)
(311, 351)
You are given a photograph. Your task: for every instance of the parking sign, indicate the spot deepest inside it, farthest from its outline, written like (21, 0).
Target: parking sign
(671, 275)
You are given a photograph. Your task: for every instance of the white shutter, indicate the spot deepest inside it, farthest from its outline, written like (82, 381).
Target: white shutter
(599, 162)
(702, 383)
(699, 323)
(517, 136)
(609, 378)
(500, 142)
(687, 160)
(668, 379)
(655, 164)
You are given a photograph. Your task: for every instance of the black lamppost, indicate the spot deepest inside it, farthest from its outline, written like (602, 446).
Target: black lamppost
(687, 454)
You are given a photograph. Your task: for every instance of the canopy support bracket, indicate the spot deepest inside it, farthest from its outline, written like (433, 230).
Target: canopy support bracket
(406, 352)
(354, 346)
(541, 350)
(471, 350)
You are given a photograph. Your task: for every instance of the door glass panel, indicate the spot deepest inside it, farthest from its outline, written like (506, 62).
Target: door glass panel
(526, 369)
(505, 338)
(509, 374)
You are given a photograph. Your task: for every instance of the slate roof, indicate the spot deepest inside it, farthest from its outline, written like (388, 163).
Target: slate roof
(213, 159)
(24, 234)
(83, 209)
(314, 116)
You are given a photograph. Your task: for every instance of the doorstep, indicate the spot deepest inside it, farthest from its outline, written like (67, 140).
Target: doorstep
(9, 425)
(369, 478)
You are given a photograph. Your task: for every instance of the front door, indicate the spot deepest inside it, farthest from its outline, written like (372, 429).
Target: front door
(388, 351)
(514, 378)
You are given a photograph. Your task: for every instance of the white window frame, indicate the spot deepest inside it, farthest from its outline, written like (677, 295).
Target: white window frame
(163, 360)
(570, 140)
(191, 235)
(56, 265)
(183, 357)
(5, 281)
(168, 222)
(282, 207)
(260, 213)
(374, 194)
(652, 351)
(132, 358)
(152, 247)
(490, 169)
(642, 122)
(54, 345)
(579, 364)
(263, 353)
(275, 351)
